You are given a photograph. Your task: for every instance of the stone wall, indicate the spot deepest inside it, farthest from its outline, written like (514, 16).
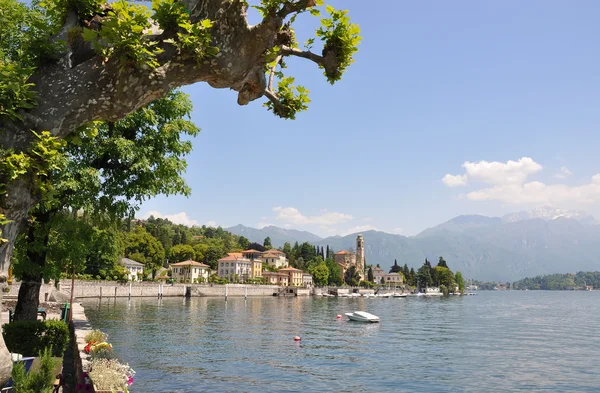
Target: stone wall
(234, 290)
(87, 289)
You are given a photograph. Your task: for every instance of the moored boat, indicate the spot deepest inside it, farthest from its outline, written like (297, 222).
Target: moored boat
(361, 316)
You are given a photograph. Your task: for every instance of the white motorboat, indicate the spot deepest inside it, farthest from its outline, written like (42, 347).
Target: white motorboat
(399, 295)
(361, 316)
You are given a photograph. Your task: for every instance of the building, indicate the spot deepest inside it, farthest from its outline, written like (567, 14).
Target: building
(282, 279)
(307, 280)
(393, 279)
(235, 267)
(275, 258)
(347, 259)
(190, 271)
(295, 276)
(133, 268)
(378, 274)
(257, 262)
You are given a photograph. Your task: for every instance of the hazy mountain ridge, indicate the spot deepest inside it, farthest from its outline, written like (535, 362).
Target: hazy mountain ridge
(484, 248)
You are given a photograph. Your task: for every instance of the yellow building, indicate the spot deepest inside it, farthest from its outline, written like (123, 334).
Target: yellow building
(256, 268)
(295, 276)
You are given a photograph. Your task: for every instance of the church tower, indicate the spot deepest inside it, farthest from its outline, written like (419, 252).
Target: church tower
(360, 256)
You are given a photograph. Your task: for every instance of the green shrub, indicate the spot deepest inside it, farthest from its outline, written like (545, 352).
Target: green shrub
(40, 381)
(31, 337)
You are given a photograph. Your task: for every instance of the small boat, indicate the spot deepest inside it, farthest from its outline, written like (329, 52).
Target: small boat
(399, 295)
(361, 316)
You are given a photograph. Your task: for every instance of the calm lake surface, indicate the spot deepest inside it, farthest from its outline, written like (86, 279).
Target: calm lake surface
(494, 342)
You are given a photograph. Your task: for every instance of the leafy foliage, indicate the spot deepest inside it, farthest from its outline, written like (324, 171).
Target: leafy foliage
(559, 281)
(341, 37)
(122, 34)
(292, 99)
(15, 91)
(39, 381)
(31, 337)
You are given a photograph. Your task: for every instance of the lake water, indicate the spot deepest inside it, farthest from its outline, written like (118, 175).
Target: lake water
(494, 342)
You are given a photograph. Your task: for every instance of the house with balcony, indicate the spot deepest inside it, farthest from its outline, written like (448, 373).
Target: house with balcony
(275, 258)
(307, 280)
(235, 267)
(134, 268)
(190, 271)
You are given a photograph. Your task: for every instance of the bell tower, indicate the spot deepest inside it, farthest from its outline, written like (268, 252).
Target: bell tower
(360, 256)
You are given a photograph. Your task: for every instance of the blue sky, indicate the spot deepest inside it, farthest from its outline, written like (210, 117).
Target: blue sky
(435, 84)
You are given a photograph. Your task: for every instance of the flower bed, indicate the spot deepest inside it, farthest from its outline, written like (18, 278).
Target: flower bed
(104, 372)
(96, 367)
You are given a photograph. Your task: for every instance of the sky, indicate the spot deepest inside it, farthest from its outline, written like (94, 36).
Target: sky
(462, 107)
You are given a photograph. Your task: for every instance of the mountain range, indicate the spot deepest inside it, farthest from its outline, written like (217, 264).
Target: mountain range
(544, 240)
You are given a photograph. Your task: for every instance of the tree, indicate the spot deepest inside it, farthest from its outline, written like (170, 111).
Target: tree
(424, 276)
(396, 268)
(267, 243)
(139, 241)
(257, 247)
(244, 243)
(320, 273)
(70, 63)
(370, 275)
(413, 277)
(182, 252)
(460, 281)
(444, 276)
(442, 262)
(335, 272)
(352, 276)
(287, 249)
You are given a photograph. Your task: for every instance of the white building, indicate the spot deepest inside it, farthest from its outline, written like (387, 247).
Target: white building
(235, 265)
(190, 271)
(393, 279)
(275, 258)
(307, 280)
(133, 267)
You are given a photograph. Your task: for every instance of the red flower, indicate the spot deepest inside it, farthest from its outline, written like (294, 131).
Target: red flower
(86, 349)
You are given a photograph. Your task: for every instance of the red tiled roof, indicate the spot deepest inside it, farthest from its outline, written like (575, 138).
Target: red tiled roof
(251, 252)
(342, 252)
(290, 269)
(267, 273)
(189, 262)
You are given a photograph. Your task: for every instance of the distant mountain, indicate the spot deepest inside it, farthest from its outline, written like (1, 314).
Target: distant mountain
(278, 235)
(524, 244)
(550, 213)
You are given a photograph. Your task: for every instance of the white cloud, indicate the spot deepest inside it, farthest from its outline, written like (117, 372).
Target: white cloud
(455, 181)
(511, 172)
(211, 224)
(177, 218)
(294, 216)
(563, 173)
(508, 183)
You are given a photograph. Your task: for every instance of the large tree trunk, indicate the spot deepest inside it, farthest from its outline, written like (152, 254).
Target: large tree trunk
(5, 358)
(29, 299)
(31, 281)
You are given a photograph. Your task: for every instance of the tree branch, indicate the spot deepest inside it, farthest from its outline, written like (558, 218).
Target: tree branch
(272, 75)
(274, 99)
(290, 8)
(287, 51)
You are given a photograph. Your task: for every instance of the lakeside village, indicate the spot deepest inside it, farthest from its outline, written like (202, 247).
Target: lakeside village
(264, 265)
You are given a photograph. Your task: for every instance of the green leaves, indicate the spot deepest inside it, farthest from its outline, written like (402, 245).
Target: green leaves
(15, 91)
(169, 14)
(292, 99)
(341, 39)
(122, 34)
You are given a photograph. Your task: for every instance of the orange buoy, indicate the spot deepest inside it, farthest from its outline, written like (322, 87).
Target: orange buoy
(297, 338)
(338, 316)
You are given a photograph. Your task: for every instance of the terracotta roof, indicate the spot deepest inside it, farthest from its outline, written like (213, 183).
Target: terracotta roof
(270, 254)
(274, 251)
(251, 252)
(342, 252)
(290, 269)
(189, 262)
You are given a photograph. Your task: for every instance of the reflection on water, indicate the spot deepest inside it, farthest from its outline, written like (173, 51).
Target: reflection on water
(497, 341)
